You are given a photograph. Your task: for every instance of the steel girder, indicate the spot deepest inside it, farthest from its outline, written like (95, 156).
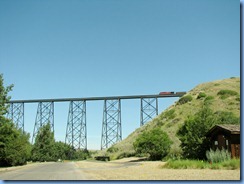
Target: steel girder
(16, 114)
(111, 128)
(76, 134)
(149, 108)
(44, 115)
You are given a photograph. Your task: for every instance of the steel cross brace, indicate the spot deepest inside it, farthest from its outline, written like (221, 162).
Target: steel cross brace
(76, 134)
(16, 114)
(44, 115)
(149, 108)
(111, 129)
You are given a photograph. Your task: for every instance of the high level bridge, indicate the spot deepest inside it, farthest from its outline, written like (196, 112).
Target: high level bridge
(76, 132)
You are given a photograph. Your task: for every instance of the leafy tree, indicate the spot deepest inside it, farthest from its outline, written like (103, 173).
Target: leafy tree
(14, 144)
(156, 143)
(63, 151)
(43, 148)
(192, 134)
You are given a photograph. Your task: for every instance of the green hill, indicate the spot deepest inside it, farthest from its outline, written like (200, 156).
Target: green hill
(221, 95)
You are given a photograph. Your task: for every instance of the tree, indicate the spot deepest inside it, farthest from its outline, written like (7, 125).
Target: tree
(192, 134)
(156, 143)
(43, 148)
(62, 151)
(14, 143)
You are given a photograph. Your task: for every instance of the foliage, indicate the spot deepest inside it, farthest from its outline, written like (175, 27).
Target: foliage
(14, 145)
(225, 117)
(47, 149)
(4, 98)
(200, 164)
(81, 155)
(225, 93)
(170, 114)
(192, 134)
(62, 151)
(155, 142)
(218, 155)
(184, 99)
(112, 149)
(43, 148)
(201, 95)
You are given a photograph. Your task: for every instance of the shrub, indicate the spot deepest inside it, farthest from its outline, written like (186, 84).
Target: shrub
(192, 134)
(209, 98)
(225, 93)
(156, 143)
(201, 95)
(218, 155)
(14, 145)
(184, 99)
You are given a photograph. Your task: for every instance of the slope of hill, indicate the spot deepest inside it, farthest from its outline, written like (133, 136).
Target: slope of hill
(221, 95)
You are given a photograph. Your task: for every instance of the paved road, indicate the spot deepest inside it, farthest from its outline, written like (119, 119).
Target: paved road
(46, 171)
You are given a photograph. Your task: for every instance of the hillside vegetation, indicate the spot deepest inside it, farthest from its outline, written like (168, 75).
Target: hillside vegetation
(220, 95)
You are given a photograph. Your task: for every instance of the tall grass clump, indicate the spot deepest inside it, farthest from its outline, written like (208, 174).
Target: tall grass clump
(225, 93)
(184, 99)
(185, 164)
(218, 155)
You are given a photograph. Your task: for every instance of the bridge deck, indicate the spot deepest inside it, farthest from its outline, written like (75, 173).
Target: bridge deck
(177, 94)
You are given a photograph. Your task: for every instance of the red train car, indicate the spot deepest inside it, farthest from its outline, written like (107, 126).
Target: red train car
(166, 93)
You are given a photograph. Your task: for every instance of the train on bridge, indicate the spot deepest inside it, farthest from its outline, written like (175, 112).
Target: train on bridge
(171, 93)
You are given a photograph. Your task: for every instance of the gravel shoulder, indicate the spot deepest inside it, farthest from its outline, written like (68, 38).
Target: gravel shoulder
(134, 169)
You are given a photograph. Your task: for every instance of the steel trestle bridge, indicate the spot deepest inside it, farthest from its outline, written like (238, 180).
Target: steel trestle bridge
(76, 131)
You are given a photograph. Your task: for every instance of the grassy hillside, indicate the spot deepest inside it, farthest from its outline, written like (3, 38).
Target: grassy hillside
(221, 95)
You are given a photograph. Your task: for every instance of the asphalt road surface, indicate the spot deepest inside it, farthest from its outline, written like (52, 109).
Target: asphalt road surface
(45, 171)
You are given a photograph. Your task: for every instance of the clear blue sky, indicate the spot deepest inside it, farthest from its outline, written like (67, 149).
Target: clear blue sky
(84, 48)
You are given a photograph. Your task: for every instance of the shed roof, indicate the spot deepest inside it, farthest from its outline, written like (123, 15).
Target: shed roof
(232, 129)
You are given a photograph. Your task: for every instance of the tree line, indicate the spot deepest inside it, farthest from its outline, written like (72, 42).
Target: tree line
(15, 148)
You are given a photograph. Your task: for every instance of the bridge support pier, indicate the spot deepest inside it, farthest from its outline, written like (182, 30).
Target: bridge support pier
(76, 134)
(111, 128)
(44, 115)
(16, 114)
(149, 109)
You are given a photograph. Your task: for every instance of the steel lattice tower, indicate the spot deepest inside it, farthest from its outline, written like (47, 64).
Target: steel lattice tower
(111, 129)
(45, 115)
(149, 108)
(76, 134)
(16, 114)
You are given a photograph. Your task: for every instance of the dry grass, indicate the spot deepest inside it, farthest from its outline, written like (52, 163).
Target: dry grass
(150, 170)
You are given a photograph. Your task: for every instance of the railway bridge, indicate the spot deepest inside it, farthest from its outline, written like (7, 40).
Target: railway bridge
(76, 131)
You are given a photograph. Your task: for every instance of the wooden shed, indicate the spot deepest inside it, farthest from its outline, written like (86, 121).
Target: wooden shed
(227, 137)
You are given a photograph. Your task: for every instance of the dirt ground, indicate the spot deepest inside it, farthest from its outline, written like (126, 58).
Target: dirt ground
(132, 169)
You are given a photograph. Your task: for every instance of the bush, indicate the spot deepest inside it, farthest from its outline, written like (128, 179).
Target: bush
(218, 156)
(225, 93)
(184, 99)
(201, 95)
(192, 133)
(156, 143)
(14, 145)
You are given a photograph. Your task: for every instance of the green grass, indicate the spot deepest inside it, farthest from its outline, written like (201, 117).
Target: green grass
(198, 164)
